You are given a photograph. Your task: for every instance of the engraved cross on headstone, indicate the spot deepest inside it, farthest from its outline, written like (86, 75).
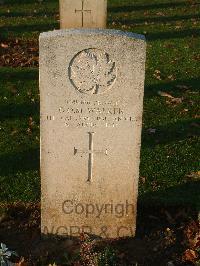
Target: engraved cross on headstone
(91, 153)
(82, 11)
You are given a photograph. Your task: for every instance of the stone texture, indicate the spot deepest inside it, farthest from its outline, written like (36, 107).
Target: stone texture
(91, 87)
(83, 14)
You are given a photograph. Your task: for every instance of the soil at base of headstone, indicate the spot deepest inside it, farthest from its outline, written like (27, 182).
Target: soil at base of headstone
(19, 53)
(163, 238)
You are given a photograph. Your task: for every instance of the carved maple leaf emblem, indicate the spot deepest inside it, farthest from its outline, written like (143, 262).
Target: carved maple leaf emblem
(92, 71)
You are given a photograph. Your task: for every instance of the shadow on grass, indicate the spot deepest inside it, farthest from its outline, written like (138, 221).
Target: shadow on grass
(168, 207)
(172, 34)
(20, 161)
(184, 195)
(11, 111)
(15, 14)
(170, 86)
(133, 7)
(182, 130)
(18, 74)
(18, 110)
(154, 19)
(23, 2)
(20, 29)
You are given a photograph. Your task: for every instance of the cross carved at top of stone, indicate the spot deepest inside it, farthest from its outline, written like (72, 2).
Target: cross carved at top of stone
(83, 11)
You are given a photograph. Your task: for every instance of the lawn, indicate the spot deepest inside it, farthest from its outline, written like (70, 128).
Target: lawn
(170, 168)
(170, 142)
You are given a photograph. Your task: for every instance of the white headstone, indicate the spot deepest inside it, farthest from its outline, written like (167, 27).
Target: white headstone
(83, 13)
(91, 86)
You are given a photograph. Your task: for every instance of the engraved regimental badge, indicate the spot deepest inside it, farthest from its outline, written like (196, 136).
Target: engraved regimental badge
(91, 71)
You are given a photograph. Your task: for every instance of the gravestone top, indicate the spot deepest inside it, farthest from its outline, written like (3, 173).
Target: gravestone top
(93, 32)
(91, 89)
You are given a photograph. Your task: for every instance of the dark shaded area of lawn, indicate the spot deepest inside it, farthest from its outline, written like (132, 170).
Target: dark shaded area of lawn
(126, 7)
(161, 235)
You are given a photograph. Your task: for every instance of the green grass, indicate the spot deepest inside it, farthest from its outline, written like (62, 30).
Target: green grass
(19, 134)
(169, 155)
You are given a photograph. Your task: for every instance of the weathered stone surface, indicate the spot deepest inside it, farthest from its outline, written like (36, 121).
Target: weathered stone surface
(91, 86)
(83, 13)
